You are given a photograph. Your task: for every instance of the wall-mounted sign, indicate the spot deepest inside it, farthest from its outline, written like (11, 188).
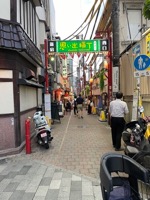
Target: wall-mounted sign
(51, 46)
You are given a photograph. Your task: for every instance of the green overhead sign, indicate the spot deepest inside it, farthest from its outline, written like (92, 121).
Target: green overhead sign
(73, 46)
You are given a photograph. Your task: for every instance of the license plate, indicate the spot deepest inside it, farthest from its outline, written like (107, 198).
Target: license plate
(43, 135)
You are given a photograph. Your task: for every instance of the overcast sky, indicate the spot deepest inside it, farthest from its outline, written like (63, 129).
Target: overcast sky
(70, 14)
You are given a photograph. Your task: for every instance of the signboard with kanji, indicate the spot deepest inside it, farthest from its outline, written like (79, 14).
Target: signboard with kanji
(77, 46)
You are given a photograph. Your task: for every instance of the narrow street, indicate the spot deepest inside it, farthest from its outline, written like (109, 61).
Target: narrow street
(78, 144)
(68, 170)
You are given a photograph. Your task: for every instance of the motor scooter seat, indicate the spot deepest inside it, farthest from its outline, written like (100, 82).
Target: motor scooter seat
(131, 151)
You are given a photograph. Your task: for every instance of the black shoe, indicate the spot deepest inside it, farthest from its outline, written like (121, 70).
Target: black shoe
(121, 149)
(81, 117)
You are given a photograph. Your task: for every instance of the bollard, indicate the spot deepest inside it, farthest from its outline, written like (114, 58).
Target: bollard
(28, 142)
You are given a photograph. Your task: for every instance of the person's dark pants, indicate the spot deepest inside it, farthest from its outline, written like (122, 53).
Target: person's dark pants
(117, 127)
(89, 109)
(75, 110)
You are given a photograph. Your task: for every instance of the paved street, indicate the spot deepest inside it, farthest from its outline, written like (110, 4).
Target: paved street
(68, 170)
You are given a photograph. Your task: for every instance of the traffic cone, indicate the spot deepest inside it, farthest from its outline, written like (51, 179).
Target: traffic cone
(102, 117)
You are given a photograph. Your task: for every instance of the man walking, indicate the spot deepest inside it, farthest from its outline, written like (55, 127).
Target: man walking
(117, 110)
(80, 106)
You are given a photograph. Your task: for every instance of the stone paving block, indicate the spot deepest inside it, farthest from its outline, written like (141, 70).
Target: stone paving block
(41, 170)
(75, 195)
(2, 177)
(36, 180)
(28, 196)
(17, 195)
(38, 198)
(64, 192)
(11, 175)
(24, 170)
(76, 186)
(88, 198)
(11, 187)
(65, 182)
(16, 167)
(33, 169)
(97, 192)
(57, 175)
(2, 167)
(23, 185)
(42, 191)
(52, 194)
(49, 172)
(63, 198)
(5, 195)
(31, 188)
(87, 189)
(55, 184)
(4, 183)
(76, 178)
(45, 181)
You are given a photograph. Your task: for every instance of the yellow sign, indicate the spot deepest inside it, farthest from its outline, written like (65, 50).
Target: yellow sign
(148, 45)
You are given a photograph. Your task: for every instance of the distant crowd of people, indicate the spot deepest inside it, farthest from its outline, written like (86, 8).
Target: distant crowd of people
(117, 110)
(77, 105)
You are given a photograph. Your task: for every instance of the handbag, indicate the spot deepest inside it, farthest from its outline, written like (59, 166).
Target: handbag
(91, 104)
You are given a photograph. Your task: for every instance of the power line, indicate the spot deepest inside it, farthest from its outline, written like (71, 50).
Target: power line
(83, 22)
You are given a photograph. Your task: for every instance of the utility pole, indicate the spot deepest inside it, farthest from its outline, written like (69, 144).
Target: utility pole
(116, 49)
(47, 96)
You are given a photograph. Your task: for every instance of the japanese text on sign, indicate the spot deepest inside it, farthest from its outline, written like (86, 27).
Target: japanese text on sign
(78, 46)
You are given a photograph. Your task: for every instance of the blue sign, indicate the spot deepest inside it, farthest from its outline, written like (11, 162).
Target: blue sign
(142, 62)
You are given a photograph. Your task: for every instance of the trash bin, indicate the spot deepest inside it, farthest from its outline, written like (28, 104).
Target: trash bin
(55, 111)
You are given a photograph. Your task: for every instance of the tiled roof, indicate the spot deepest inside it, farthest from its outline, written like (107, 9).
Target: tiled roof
(12, 36)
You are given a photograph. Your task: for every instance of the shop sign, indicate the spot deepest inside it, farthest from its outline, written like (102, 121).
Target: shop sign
(71, 46)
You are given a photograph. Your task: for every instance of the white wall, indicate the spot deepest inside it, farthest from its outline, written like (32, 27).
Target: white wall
(27, 98)
(5, 9)
(7, 98)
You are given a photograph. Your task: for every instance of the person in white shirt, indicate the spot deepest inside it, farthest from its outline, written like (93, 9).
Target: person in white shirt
(117, 110)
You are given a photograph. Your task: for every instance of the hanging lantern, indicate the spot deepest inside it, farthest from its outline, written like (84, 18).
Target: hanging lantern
(105, 64)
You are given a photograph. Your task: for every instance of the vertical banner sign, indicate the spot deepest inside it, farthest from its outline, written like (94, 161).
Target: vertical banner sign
(115, 79)
(135, 104)
(148, 45)
(47, 100)
(104, 45)
(51, 46)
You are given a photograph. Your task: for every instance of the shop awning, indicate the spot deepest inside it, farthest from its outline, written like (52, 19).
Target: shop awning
(29, 83)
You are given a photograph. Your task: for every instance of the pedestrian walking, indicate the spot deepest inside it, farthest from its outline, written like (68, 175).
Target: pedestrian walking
(80, 106)
(117, 110)
(75, 106)
(89, 103)
(68, 106)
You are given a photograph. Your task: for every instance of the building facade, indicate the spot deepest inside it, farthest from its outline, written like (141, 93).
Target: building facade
(23, 28)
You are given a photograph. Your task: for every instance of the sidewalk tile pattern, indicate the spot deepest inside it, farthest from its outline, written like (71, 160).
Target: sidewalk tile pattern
(68, 170)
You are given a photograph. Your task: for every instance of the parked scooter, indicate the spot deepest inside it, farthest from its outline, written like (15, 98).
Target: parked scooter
(136, 145)
(43, 131)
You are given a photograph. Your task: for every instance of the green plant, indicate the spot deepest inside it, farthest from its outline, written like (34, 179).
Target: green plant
(146, 9)
(101, 77)
(82, 92)
(87, 90)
